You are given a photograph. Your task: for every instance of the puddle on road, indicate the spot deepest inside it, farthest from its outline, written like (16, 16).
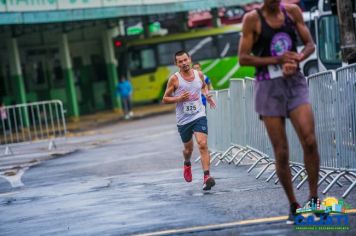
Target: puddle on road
(14, 173)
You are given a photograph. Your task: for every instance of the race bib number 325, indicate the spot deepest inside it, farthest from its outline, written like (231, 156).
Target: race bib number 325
(191, 107)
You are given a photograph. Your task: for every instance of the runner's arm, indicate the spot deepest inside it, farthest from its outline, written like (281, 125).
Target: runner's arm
(246, 43)
(205, 91)
(171, 87)
(204, 88)
(303, 32)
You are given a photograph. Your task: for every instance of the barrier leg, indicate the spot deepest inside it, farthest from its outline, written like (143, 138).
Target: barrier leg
(325, 178)
(293, 167)
(235, 155)
(271, 176)
(227, 151)
(255, 164)
(348, 178)
(333, 182)
(243, 157)
(349, 190)
(219, 161)
(264, 169)
(215, 155)
(297, 174)
(199, 157)
(302, 182)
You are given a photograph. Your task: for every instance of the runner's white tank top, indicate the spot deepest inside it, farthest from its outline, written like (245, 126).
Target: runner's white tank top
(193, 108)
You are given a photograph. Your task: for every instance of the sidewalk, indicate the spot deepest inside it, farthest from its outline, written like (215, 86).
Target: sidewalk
(93, 121)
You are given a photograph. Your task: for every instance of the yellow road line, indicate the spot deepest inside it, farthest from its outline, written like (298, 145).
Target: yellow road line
(351, 211)
(222, 226)
(215, 226)
(262, 220)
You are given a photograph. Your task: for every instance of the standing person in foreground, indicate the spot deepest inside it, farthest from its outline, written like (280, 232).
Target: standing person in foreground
(197, 66)
(184, 88)
(280, 89)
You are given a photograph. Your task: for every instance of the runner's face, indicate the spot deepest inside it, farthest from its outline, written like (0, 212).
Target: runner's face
(273, 5)
(183, 62)
(196, 67)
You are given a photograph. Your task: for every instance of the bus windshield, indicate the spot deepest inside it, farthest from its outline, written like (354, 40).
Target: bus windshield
(329, 41)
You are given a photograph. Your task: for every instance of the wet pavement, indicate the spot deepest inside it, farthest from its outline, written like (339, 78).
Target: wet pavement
(126, 179)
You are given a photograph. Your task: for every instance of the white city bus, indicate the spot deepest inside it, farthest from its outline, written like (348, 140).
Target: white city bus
(310, 65)
(328, 37)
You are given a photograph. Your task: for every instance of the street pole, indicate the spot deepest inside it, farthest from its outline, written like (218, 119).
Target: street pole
(347, 30)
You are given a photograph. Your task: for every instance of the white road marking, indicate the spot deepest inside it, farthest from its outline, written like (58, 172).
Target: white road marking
(229, 74)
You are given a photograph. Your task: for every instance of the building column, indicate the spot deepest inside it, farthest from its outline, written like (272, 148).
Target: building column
(17, 80)
(16, 72)
(111, 66)
(66, 63)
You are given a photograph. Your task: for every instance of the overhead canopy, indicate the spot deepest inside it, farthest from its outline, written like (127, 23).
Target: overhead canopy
(50, 11)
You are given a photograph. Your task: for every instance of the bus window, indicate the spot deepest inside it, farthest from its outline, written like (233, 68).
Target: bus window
(329, 41)
(324, 6)
(142, 61)
(309, 22)
(309, 65)
(227, 44)
(311, 26)
(201, 48)
(166, 52)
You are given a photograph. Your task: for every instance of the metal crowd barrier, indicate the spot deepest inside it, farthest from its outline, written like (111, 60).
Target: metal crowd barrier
(31, 122)
(333, 98)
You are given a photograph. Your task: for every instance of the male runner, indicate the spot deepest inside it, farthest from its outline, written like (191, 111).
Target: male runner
(184, 88)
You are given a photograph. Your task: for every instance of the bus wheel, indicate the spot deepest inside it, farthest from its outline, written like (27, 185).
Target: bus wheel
(311, 68)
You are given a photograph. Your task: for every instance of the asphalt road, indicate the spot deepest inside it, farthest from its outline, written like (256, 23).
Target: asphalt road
(126, 179)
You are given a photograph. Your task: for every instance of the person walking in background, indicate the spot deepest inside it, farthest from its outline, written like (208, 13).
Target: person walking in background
(197, 66)
(281, 90)
(185, 88)
(124, 89)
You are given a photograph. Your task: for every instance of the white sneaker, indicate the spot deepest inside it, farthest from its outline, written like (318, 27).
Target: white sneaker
(126, 117)
(131, 113)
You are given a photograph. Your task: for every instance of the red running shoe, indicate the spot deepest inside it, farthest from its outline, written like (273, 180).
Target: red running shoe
(209, 182)
(188, 173)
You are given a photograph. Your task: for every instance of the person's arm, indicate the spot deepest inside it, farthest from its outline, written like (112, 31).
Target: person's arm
(205, 91)
(171, 87)
(249, 29)
(208, 83)
(204, 88)
(302, 30)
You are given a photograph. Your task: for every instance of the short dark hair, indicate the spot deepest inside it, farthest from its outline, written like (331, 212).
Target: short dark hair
(180, 53)
(196, 63)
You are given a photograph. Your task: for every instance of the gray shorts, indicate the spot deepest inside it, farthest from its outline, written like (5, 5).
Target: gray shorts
(278, 97)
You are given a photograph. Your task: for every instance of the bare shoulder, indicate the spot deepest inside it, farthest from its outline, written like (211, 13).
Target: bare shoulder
(173, 80)
(201, 75)
(294, 11)
(251, 22)
(250, 17)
